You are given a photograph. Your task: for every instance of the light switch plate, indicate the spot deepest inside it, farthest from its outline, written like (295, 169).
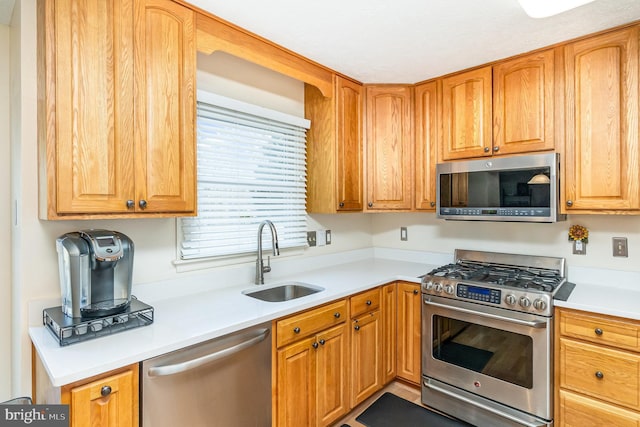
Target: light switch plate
(620, 248)
(403, 234)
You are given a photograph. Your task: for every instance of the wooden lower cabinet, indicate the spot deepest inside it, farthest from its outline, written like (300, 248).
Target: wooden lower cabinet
(108, 400)
(409, 317)
(597, 370)
(366, 356)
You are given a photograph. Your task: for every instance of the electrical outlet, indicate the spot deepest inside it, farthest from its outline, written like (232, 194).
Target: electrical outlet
(403, 234)
(328, 237)
(579, 247)
(311, 238)
(620, 248)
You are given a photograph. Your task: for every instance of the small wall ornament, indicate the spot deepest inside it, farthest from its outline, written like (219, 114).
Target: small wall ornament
(580, 237)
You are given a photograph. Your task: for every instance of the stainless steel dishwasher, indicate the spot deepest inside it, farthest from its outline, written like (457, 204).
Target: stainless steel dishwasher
(223, 382)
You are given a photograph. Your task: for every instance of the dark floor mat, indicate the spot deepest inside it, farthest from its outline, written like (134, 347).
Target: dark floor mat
(392, 411)
(463, 355)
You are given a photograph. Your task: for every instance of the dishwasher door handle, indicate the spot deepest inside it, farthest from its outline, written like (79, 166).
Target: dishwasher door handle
(161, 371)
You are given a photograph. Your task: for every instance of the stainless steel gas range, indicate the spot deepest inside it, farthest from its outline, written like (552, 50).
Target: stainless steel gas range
(487, 328)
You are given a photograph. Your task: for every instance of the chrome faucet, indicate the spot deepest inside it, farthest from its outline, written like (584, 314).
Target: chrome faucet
(260, 267)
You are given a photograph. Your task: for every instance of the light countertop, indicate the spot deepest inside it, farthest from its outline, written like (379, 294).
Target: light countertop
(184, 320)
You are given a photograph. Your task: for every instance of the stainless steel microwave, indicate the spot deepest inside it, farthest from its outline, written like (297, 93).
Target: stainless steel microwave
(515, 188)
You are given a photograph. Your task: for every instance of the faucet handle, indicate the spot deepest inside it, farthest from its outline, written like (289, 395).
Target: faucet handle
(267, 268)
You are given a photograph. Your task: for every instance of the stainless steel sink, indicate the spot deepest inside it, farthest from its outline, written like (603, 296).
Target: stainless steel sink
(283, 292)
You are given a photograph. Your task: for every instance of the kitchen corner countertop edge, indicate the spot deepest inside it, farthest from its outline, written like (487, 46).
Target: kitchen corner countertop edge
(188, 320)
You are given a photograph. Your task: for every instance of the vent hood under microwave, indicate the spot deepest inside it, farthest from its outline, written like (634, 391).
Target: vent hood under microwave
(515, 188)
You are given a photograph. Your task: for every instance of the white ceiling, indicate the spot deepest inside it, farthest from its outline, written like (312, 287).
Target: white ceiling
(406, 41)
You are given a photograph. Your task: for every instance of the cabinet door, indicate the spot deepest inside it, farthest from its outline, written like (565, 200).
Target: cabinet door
(389, 311)
(111, 401)
(366, 356)
(523, 104)
(601, 154)
(466, 115)
(332, 379)
(580, 411)
(409, 324)
(349, 144)
(88, 85)
(389, 147)
(427, 123)
(165, 70)
(296, 384)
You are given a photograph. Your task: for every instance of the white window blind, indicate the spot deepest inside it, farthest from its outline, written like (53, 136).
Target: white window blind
(251, 167)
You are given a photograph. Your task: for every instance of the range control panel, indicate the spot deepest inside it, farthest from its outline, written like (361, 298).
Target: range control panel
(477, 293)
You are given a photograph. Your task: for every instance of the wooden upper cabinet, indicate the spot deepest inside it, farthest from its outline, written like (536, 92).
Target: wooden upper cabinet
(389, 147)
(165, 83)
(427, 122)
(524, 96)
(601, 153)
(334, 148)
(116, 125)
(466, 115)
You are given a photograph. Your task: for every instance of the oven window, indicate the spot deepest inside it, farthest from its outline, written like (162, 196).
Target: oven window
(500, 354)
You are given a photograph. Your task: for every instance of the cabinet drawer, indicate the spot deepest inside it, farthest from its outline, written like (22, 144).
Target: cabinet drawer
(580, 411)
(604, 373)
(302, 325)
(366, 301)
(607, 331)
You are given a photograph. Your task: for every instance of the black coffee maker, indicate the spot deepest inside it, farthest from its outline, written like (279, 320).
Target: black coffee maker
(96, 268)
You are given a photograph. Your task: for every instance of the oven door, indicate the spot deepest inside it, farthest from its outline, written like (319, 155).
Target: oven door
(497, 354)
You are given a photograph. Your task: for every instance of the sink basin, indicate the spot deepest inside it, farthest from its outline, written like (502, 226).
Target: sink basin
(283, 292)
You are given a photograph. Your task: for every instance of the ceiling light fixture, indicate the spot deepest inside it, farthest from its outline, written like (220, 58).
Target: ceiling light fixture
(545, 8)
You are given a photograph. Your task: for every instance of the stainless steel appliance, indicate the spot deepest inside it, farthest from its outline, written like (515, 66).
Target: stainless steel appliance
(96, 267)
(514, 188)
(487, 327)
(224, 382)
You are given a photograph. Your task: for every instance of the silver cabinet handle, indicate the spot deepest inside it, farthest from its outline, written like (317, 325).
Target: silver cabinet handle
(105, 391)
(496, 149)
(142, 204)
(599, 375)
(537, 325)
(160, 371)
(598, 331)
(569, 203)
(130, 204)
(486, 149)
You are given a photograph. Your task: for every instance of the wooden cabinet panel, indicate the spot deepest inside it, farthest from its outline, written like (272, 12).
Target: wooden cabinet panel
(364, 302)
(109, 400)
(427, 123)
(310, 322)
(466, 115)
(366, 356)
(606, 331)
(580, 411)
(334, 148)
(389, 147)
(389, 331)
(523, 104)
(296, 384)
(165, 69)
(601, 154)
(409, 332)
(332, 375)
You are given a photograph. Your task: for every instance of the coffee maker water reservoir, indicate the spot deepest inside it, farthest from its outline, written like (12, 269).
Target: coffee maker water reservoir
(96, 268)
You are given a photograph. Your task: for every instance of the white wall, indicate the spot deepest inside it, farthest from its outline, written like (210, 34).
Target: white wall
(426, 232)
(5, 219)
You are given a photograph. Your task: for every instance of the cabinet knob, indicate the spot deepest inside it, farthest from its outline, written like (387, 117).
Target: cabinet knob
(337, 315)
(415, 292)
(486, 149)
(368, 302)
(598, 331)
(322, 342)
(357, 327)
(142, 204)
(599, 375)
(496, 149)
(569, 202)
(314, 345)
(341, 204)
(130, 204)
(433, 204)
(105, 391)
(370, 204)
(296, 330)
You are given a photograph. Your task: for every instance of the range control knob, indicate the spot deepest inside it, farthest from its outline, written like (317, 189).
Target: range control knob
(525, 302)
(539, 304)
(449, 289)
(429, 285)
(438, 287)
(510, 299)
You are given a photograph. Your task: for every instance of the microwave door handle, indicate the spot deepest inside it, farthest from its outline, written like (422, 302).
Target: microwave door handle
(482, 406)
(536, 325)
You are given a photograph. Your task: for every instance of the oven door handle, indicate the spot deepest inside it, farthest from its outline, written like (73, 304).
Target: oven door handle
(495, 411)
(532, 324)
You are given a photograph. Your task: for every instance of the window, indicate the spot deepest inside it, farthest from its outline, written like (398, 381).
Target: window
(251, 167)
